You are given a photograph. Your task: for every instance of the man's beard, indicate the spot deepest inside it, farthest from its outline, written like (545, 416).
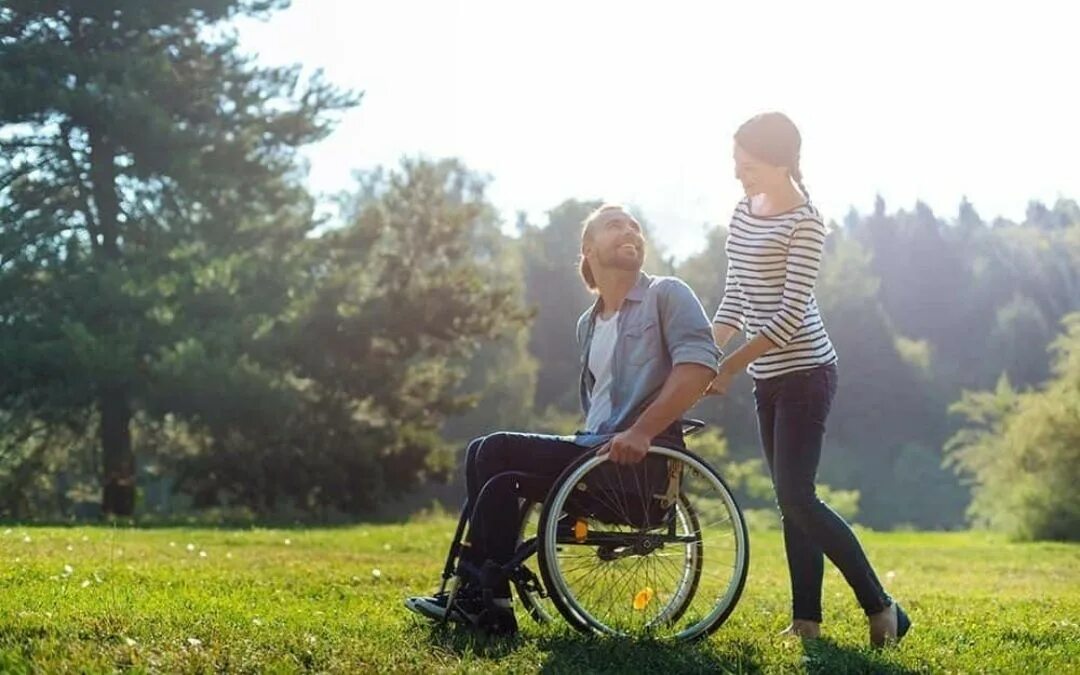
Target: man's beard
(612, 258)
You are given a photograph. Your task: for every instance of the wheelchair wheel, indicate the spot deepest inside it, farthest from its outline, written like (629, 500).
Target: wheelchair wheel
(655, 549)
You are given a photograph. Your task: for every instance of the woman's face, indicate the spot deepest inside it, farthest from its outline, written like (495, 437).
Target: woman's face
(756, 175)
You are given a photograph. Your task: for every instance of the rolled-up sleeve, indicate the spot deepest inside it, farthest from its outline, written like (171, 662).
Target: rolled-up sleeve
(803, 263)
(687, 331)
(731, 311)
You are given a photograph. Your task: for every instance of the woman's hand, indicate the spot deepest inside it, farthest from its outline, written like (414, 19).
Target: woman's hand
(720, 384)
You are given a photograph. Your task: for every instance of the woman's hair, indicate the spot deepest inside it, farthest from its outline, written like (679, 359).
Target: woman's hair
(600, 214)
(772, 137)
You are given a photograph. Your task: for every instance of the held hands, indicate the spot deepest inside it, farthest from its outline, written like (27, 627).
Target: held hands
(627, 447)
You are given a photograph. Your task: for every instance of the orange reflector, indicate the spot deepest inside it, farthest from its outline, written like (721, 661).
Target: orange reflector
(643, 598)
(581, 529)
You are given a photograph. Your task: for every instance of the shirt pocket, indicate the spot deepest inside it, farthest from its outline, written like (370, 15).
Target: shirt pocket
(642, 342)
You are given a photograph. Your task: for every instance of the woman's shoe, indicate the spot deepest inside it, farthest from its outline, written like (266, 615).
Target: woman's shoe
(903, 623)
(889, 626)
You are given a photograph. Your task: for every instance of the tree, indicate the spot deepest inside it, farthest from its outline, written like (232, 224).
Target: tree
(149, 187)
(398, 303)
(501, 374)
(1021, 449)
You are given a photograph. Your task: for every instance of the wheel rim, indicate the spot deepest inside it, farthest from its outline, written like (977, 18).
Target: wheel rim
(678, 575)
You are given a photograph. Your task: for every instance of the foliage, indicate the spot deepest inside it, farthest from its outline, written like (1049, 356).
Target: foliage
(1021, 450)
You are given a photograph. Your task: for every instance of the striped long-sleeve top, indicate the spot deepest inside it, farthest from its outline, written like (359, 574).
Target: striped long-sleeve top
(773, 265)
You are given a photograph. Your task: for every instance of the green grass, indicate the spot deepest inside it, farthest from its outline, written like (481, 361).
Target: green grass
(99, 599)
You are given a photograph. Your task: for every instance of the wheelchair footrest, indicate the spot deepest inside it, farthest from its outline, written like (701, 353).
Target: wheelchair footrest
(527, 582)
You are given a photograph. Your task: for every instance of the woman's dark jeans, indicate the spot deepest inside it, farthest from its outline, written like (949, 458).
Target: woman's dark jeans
(791, 411)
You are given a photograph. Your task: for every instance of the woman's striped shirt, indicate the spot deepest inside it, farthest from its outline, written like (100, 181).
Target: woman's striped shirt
(773, 265)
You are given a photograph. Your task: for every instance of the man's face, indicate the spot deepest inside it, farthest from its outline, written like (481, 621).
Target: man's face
(616, 242)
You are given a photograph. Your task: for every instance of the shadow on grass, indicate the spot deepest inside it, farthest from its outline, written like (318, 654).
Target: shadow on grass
(572, 652)
(460, 640)
(823, 656)
(578, 653)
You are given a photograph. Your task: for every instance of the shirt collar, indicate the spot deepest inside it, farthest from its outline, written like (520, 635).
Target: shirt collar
(637, 293)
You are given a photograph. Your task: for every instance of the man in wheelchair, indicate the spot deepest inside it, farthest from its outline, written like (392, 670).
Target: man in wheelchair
(647, 355)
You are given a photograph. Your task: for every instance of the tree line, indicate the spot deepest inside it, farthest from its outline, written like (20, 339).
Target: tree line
(180, 330)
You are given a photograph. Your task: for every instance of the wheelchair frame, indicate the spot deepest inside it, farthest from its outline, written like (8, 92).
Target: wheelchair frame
(528, 585)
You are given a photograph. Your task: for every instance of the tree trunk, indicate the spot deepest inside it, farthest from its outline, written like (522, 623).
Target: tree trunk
(118, 481)
(117, 458)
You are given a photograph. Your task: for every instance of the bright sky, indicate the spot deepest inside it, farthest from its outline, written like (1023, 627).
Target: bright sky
(637, 101)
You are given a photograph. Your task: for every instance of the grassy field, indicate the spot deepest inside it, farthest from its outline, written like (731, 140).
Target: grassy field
(101, 599)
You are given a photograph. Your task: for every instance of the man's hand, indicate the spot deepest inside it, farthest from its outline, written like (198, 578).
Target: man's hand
(627, 447)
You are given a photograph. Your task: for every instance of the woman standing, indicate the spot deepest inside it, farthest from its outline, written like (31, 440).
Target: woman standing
(774, 248)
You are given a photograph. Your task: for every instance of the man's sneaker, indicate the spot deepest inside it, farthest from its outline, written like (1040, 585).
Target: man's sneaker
(468, 609)
(429, 606)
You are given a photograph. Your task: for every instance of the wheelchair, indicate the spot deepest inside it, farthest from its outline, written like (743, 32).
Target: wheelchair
(656, 549)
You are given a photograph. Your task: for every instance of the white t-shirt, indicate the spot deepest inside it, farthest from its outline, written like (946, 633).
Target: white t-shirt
(600, 351)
